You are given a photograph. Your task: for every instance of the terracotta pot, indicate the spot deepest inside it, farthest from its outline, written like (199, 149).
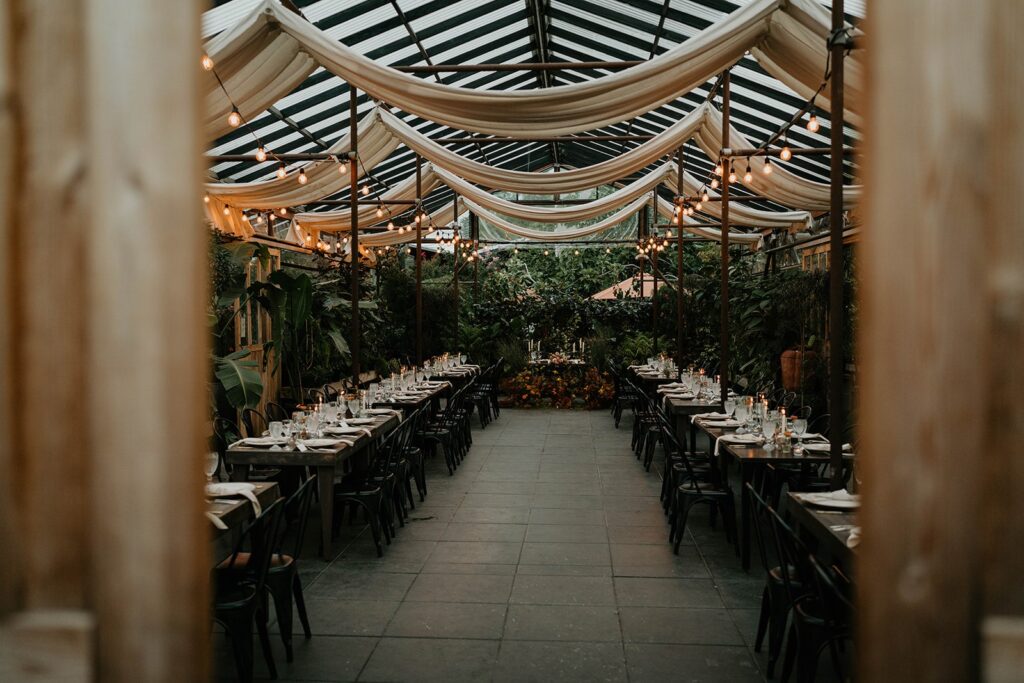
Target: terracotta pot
(793, 365)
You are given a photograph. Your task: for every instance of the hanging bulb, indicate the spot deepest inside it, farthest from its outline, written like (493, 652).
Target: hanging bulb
(419, 218)
(380, 211)
(516, 250)
(283, 212)
(261, 154)
(668, 234)
(732, 174)
(302, 177)
(234, 118)
(812, 123)
(675, 220)
(227, 211)
(718, 169)
(767, 168)
(607, 250)
(342, 168)
(704, 197)
(786, 154)
(577, 252)
(281, 171)
(365, 189)
(714, 183)
(747, 175)
(391, 225)
(545, 252)
(689, 211)
(207, 62)
(699, 205)
(206, 199)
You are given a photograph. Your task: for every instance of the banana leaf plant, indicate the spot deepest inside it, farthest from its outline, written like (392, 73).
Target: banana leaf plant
(239, 378)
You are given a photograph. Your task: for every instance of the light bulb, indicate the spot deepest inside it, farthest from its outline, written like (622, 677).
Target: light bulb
(261, 154)
(365, 189)
(668, 234)
(516, 250)
(283, 212)
(207, 62)
(714, 183)
(732, 175)
(786, 154)
(689, 211)
(234, 118)
(391, 225)
(748, 176)
(545, 252)
(342, 168)
(380, 212)
(302, 177)
(227, 211)
(699, 206)
(812, 123)
(767, 168)
(704, 197)
(419, 218)
(718, 169)
(675, 220)
(206, 198)
(281, 171)
(577, 252)
(607, 250)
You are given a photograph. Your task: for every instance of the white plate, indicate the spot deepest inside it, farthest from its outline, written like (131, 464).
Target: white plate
(361, 421)
(824, 500)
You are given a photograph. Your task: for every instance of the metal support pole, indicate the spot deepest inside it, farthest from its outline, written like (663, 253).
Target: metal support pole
(836, 266)
(353, 174)
(474, 229)
(654, 293)
(418, 221)
(455, 211)
(723, 361)
(680, 191)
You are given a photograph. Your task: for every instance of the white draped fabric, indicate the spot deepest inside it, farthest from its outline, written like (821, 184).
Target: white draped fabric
(790, 35)
(556, 214)
(341, 221)
(323, 177)
(739, 213)
(666, 210)
(559, 235)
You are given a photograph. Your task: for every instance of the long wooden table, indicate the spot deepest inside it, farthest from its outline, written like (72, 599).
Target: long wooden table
(829, 529)
(752, 459)
(430, 398)
(234, 512)
(328, 462)
(682, 410)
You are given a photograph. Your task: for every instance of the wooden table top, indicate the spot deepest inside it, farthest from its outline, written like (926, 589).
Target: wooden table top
(234, 511)
(249, 455)
(688, 406)
(412, 404)
(754, 452)
(831, 528)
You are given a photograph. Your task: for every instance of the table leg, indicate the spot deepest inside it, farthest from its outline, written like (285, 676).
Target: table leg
(745, 478)
(325, 482)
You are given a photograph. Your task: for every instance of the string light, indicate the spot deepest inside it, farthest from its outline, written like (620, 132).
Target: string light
(234, 118)
(281, 171)
(732, 174)
(365, 189)
(748, 176)
(391, 225)
(206, 199)
(545, 252)
(227, 211)
(342, 168)
(302, 177)
(714, 183)
(283, 212)
(207, 62)
(607, 250)
(705, 197)
(577, 252)
(261, 154)
(718, 169)
(786, 154)
(812, 123)
(699, 205)
(380, 211)
(767, 168)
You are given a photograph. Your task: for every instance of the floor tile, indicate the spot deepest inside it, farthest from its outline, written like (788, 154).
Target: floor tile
(483, 531)
(492, 552)
(570, 662)
(683, 625)
(566, 533)
(590, 623)
(635, 591)
(566, 516)
(563, 590)
(565, 553)
(692, 663)
(431, 659)
(447, 620)
(494, 588)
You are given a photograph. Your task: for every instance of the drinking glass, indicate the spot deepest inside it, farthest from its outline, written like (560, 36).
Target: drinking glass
(768, 427)
(277, 429)
(289, 427)
(462, 358)
(729, 406)
(210, 465)
(353, 405)
(799, 427)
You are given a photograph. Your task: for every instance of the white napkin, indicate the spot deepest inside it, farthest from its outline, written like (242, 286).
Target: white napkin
(853, 540)
(258, 441)
(721, 424)
(348, 430)
(384, 411)
(216, 521)
(709, 416)
(825, 447)
(322, 443)
(736, 438)
(235, 488)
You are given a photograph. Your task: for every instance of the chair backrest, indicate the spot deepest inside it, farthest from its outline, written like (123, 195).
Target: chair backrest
(262, 535)
(821, 425)
(225, 433)
(296, 513)
(254, 422)
(792, 554)
(759, 519)
(276, 412)
(330, 393)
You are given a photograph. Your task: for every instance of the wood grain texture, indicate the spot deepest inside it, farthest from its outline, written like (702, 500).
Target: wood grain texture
(148, 353)
(926, 345)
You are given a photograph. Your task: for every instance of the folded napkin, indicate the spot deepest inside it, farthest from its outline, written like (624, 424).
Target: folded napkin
(825, 447)
(323, 443)
(736, 438)
(258, 441)
(348, 430)
(709, 416)
(216, 521)
(853, 540)
(721, 424)
(229, 489)
(384, 411)
(679, 396)
(811, 437)
(671, 385)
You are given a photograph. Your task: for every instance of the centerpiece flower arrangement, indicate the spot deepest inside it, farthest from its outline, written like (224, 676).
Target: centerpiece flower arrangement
(559, 386)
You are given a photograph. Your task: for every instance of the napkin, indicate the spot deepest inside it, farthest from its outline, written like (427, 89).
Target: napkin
(235, 488)
(825, 447)
(216, 521)
(736, 438)
(323, 443)
(853, 540)
(348, 430)
(258, 441)
(709, 416)
(721, 424)
(384, 411)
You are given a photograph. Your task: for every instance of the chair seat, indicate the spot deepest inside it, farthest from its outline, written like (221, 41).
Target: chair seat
(241, 562)
(232, 594)
(705, 489)
(359, 487)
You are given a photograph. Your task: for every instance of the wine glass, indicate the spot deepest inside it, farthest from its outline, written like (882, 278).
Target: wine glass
(353, 404)
(730, 406)
(742, 415)
(768, 427)
(210, 464)
(799, 427)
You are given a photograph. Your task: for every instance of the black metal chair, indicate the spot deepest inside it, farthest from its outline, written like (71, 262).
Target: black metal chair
(254, 422)
(700, 488)
(276, 412)
(239, 584)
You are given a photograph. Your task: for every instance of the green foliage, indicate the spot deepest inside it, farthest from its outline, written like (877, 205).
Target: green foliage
(239, 379)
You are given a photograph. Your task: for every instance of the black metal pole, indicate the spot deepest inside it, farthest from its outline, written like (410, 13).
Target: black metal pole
(836, 266)
(654, 290)
(680, 190)
(455, 256)
(474, 229)
(353, 174)
(418, 221)
(723, 362)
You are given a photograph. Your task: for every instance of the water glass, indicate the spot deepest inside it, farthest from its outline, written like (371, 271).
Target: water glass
(210, 464)
(277, 429)
(799, 427)
(730, 406)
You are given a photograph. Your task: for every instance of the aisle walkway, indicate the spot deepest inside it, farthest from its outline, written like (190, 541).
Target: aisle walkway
(544, 558)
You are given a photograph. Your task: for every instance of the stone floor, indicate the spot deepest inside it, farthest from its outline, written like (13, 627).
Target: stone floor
(543, 559)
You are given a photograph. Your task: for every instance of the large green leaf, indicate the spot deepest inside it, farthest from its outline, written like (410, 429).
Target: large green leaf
(239, 378)
(339, 343)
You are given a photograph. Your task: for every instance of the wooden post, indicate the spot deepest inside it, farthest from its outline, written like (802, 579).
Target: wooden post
(723, 362)
(474, 227)
(837, 407)
(418, 222)
(654, 292)
(353, 174)
(680, 190)
(941, 323)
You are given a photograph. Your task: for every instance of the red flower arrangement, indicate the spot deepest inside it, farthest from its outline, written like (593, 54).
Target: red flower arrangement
(558, 387)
